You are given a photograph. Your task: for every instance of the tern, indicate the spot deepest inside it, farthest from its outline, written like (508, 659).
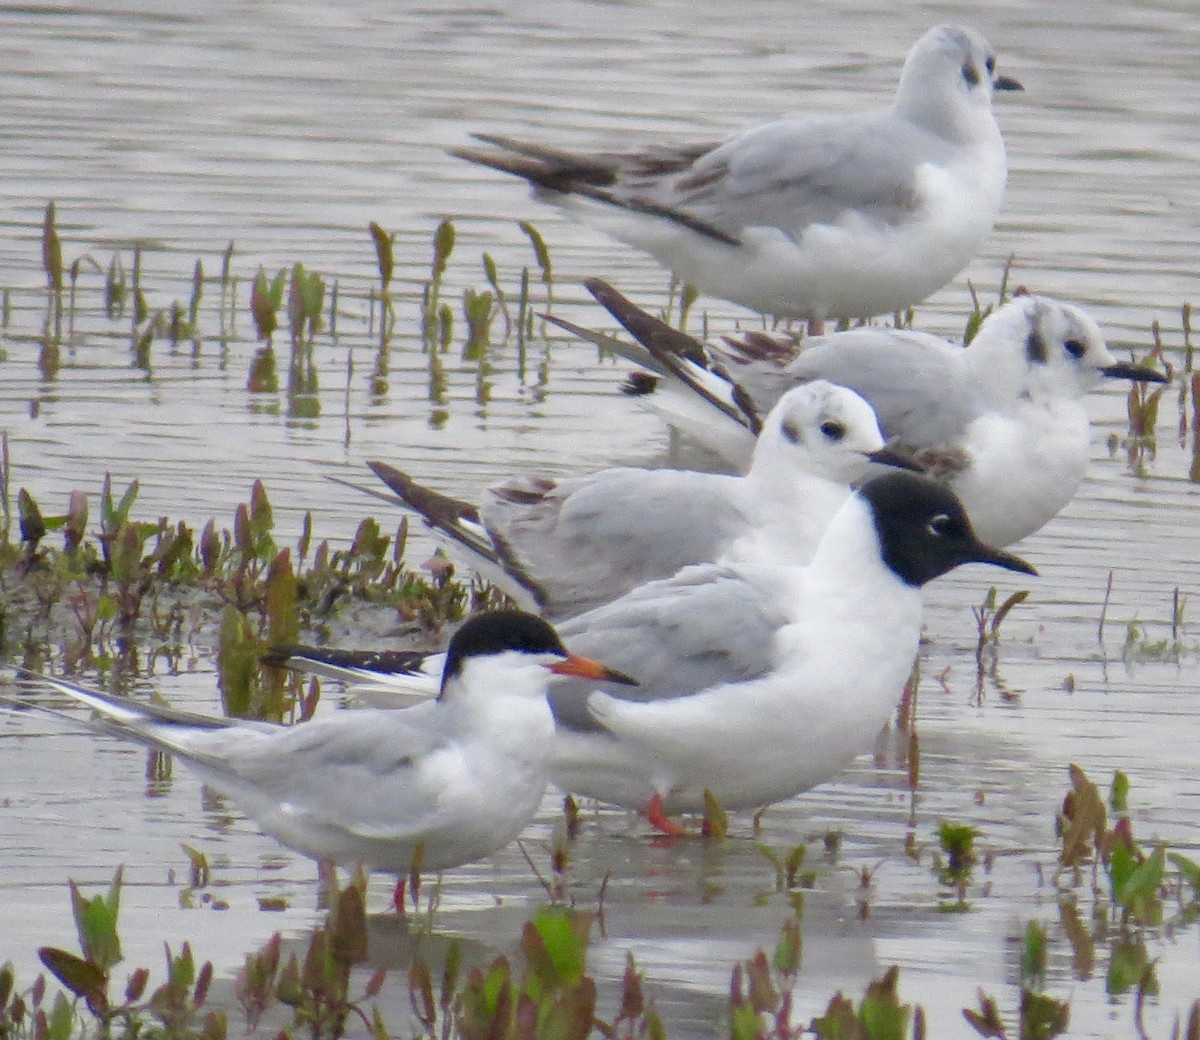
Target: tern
(443, 783)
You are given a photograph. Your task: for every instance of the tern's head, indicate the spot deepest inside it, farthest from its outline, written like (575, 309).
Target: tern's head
(823, 430)
(514, 652)
(1044, 349)
(923, 529)
(948, 80)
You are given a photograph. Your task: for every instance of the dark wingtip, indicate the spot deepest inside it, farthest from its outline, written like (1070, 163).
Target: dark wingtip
(639, 384)
(654, 334)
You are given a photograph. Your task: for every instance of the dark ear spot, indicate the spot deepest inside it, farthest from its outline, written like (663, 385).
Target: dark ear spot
(1035, 349)
(790, 432)
(1076, 348)
(970, 74)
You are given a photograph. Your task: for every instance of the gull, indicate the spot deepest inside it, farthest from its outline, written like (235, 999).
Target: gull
(1002, 420)
(563, 546)
(758, 680)
(441, 784)
(813, 217)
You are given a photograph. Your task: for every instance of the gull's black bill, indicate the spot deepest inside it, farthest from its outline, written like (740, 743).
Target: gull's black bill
(1001, 558)
(1138, 373)
(887, 457)
(1006, 83)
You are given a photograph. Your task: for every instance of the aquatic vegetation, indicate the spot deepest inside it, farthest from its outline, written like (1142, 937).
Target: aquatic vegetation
(98, 573)
(1140, 646)
(147, 587)
(317, 991)
(789, 868)
(956, 870)
(988, 619)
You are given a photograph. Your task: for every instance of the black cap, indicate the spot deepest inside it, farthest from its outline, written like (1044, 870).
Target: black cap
(924, 531)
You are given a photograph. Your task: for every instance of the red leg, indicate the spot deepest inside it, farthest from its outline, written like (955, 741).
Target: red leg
(398, 896)
(659, 820)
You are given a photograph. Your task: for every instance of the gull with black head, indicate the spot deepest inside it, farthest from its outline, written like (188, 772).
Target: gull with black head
(758, 680)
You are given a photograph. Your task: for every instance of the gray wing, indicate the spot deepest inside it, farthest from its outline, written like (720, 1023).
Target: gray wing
(918, 384)
(298, 761)
(345, 772)
(586, 541)
(701, 628)
(798, 171)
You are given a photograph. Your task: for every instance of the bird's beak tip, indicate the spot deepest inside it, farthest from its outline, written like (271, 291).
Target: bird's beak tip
(1136, 373)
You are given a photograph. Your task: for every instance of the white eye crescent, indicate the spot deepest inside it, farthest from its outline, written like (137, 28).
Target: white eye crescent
(939, 526)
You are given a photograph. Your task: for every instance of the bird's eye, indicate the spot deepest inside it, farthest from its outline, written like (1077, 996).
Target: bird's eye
(991, 65)
(834, 431)
(970, 74)
(940, 526)
(1075, 348)
(790, 433)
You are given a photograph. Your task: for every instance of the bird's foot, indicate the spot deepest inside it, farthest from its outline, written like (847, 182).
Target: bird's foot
(660, 821)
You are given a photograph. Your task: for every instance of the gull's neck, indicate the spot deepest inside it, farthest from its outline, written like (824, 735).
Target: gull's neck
(850, 547)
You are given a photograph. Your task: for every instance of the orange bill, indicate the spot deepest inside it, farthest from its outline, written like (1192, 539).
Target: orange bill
(586, 668)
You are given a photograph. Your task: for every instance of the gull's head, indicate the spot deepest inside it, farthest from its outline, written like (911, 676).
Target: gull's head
(823, 430)
(513, 653)
(948, 80)
(923, 530)
(1056, 348)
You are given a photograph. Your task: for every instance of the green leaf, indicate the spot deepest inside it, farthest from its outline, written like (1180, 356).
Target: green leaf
(540, 250)
(1083, 821)
(52, 259)
(383, 253)
(555, 944)
(62, 1019)
(1128, 964)
(1043, 1017)
(443, 246)
(1145, 878)
(348, 935)
(716, 820)
(33, 526)
(787, 951)
(96, 924)
(1118, 793)
(881, 1012)
(1033, 956)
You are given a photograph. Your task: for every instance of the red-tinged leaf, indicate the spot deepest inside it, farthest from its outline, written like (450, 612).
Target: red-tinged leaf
(136, 986)
(375, 982)
(81, 978)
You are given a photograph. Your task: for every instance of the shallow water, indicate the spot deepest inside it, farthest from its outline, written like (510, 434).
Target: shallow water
(286, 128)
